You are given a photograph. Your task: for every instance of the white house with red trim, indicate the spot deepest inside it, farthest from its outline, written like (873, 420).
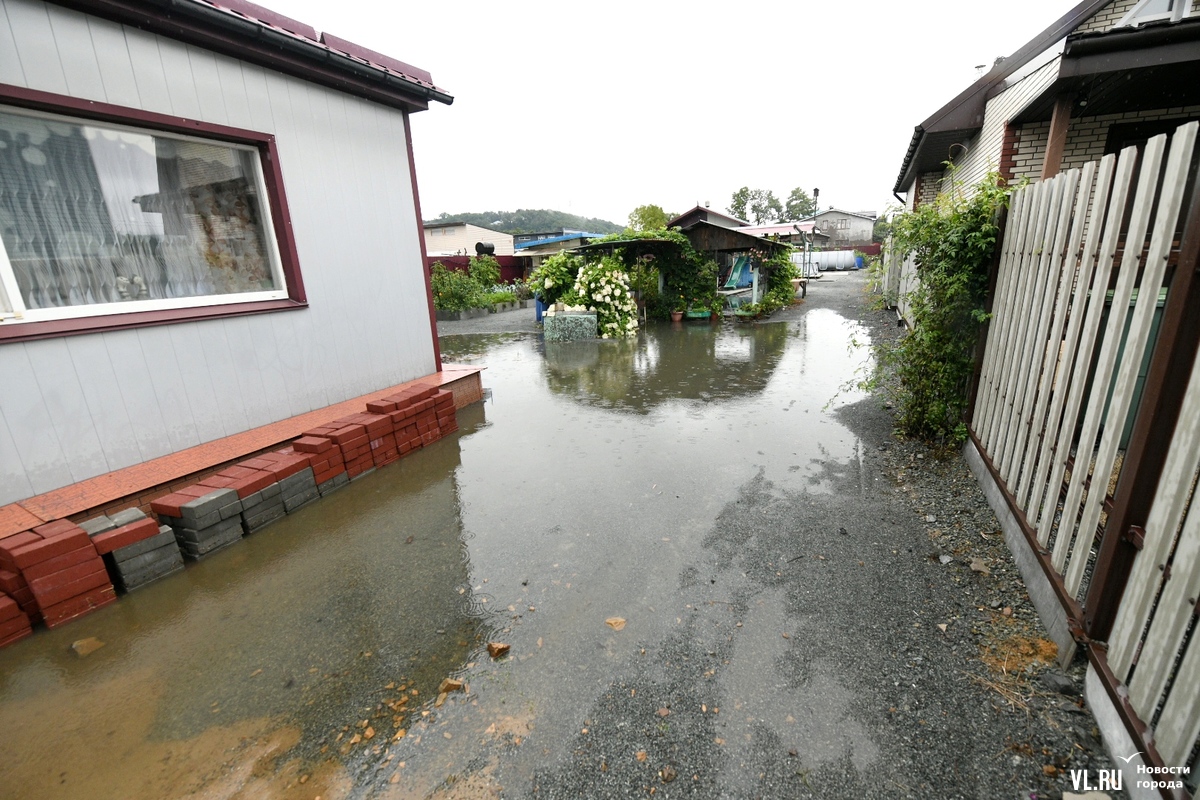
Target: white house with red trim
(209, 223)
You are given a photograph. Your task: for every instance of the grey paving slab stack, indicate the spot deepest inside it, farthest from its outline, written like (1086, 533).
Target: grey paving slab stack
(204, 524)
(136, 549)
(261, 508)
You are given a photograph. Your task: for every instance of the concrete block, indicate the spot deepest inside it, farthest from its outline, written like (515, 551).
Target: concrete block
(127, 516)
(170, 562)
(297, 501)
(146, 559)
(203, 506)
(230, 510)
(264, 518)
(302, 478)
(164, 537)
(101, 524)
(334, 483)
(198, 550)
(213, 531)
(270, 491)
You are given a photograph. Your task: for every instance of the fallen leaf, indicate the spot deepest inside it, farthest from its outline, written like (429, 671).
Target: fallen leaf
(256, 673)
(369, 733)
(980, 566)
(355, 739)
(441, 698)
(400, 734)
(1050, 769)
(719, 740)
(1007, 611)
(395, 778)
(667, 774)
(942, 627)
(409, 540)
(539, 641)
(616, 623)
(664, 711)
(498, 649)
(640, 755)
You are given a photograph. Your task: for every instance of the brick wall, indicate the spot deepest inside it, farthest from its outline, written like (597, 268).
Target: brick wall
(1085, 139)
(1107, 17)
(928, 185)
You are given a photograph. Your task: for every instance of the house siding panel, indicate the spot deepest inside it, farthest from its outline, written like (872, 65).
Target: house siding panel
(984, 150)
(149, 392)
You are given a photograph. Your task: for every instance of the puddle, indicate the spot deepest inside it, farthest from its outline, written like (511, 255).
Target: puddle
(578, 492)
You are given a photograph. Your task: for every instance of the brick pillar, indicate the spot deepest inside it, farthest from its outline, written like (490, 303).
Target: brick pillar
(1008, 153)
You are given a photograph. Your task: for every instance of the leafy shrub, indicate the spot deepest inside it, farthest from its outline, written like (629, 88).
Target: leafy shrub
(503, 296)
(952, 241)
(555, 277)
(485, 270)
(454, 290)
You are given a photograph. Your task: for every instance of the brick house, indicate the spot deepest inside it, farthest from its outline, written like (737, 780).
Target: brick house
(1108, 74)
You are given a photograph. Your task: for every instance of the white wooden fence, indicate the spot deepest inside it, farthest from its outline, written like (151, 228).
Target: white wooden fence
(1059, 381)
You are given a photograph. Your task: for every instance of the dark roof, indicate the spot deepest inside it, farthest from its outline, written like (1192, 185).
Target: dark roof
(675, 222)
(1154, 65)
(709, 238)
(252, 33)
(962, 117)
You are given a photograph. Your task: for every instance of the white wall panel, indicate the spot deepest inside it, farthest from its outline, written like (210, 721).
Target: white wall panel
(28, 420)
(67, 406)
(136, 395)
(77, 54)
(11, 71)
(102, 393)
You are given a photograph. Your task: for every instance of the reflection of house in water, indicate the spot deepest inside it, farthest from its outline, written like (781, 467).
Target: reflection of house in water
(702, 362)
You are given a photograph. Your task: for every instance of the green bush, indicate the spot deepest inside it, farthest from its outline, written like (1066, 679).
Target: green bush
(952, 241)
(495, 298)
(485, 270)
(604, 286)
(555, 277)
(454, 290)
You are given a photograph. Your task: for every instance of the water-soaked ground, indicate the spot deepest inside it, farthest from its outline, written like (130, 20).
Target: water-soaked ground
(708, 590)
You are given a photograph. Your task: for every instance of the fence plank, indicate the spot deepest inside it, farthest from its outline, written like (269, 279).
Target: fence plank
(1070, 510)
(994, 353)
(1179, 725)
(1042, 500)
(1022, 300)
(1052, 257)
(1027, 343)
(1170, 200)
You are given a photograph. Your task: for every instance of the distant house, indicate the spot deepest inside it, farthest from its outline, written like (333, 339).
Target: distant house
(460, 238)
(709, 215)
(845, 229)
(791, 232)
(540, 246)
(210, 228)
(1107, 74)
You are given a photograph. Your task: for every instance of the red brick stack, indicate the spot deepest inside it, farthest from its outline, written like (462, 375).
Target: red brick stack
(329, 470)
(13, 585)
(62, 569)
(14, 623)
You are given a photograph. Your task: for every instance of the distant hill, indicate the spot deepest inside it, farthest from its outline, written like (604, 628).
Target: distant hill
(531, 220)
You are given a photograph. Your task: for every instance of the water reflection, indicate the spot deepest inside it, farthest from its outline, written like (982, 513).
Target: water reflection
(296, 629)
(695, 362)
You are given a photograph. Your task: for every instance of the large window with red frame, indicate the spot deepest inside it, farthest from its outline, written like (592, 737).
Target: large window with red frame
(99, 218)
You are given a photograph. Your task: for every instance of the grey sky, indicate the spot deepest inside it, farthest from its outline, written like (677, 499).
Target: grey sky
(598, 108)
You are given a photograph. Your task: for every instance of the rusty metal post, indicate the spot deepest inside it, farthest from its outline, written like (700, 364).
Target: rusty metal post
(1166, 382)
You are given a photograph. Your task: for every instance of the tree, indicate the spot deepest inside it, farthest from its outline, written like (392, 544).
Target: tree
(765, 207)
(649, 218)
(881, 231)
(799, 205)
(737, 205)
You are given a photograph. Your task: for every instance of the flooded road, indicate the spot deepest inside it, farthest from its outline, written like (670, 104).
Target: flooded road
(596, 513)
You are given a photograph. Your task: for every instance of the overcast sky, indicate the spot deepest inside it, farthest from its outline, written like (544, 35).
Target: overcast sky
(598, 108)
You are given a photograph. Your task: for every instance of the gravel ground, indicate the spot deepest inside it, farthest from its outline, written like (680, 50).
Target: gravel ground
(875, 641)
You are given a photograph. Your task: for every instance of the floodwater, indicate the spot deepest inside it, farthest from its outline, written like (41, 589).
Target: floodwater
(581, 490)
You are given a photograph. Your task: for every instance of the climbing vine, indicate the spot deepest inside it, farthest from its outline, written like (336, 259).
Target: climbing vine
(951, 241)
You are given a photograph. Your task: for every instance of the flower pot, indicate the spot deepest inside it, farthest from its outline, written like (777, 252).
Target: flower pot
(676, 316)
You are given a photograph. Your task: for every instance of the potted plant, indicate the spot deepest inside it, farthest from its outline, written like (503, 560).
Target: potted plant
(678, 308)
